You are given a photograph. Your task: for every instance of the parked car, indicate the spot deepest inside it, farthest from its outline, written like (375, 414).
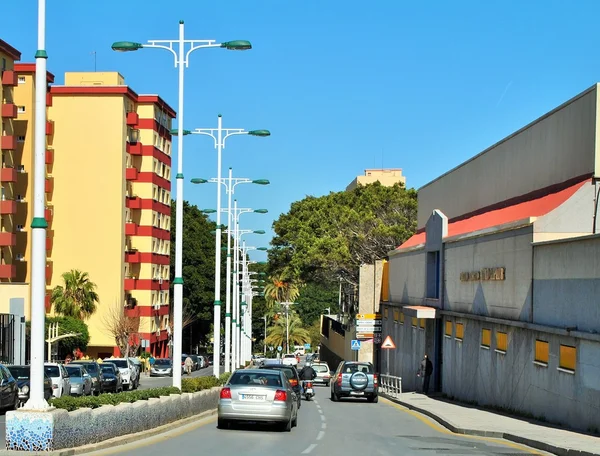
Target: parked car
(95, 372)
(61, 383)
(128, 371)
(258, 395)
(290, 359)
(163, 367)
(80, 380)
(21, 375)
(354, 379)
(323, 373)
(139, 368)
(9, 389)
(196, 360)
(112, 380)
(292, 375)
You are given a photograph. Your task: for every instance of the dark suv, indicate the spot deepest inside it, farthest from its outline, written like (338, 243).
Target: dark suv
(354, 379)
(292, 375)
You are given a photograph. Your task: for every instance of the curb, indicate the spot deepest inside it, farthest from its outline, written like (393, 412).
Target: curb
(121, 440)
(493, 434)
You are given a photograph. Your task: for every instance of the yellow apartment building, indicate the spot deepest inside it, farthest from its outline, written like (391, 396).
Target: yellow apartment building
(111, 201)
(386, 177)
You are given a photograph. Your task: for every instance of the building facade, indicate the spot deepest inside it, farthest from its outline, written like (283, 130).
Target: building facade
(498, 286)
(112, 202)
(386, 177)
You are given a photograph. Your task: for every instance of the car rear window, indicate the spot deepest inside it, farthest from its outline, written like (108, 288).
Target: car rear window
(73, 371)
(52, 371)
(255, 379)
(289, 372)
(289, 356)
(320, 368)
(90, 367)
(358, 367)
(162, 362)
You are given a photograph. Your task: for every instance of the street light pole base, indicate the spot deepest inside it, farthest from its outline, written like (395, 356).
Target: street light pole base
(37, 404)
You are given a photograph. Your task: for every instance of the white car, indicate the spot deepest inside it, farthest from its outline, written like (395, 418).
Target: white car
(323, 373)
(61, 383)
(290, 360)
(128, 372)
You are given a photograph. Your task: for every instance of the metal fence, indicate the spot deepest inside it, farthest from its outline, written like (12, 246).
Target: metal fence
(7, 338)
(390, 385)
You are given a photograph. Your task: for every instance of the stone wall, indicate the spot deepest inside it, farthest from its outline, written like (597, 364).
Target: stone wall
(55, 429)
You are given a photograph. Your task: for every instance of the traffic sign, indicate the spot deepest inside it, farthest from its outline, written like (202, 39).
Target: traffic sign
(355, 345)
(307, 346)
(368, 322)
(388, 343)
(368, 329)
(375, 316)
(279, 348)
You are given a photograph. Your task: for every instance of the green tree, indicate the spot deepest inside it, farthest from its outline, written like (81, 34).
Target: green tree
(314, 299)
(329, 237)
(77, 298)
(70, 325)
(277, 334)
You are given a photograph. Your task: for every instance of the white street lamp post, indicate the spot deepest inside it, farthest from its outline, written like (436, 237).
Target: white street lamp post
(265, 336)
(38, 225)
(181, 56)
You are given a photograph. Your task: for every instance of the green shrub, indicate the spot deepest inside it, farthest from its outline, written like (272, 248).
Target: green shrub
(192, 385)
(224, 377)
(70, 403)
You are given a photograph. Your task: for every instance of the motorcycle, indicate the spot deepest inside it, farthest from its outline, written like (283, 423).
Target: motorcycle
(309, 392)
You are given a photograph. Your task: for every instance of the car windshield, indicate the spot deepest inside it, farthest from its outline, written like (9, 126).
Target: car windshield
(162, 362)
(52, 371)
(255, 379)
(358, 367)
(320, 368)
(74, 371)
(91, 368)
(19, 372)
(118, 362)
(288, 371)
(289, 356)
(107, 368)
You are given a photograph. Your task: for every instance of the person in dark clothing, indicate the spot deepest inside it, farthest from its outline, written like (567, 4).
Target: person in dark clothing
(307, 373)
(426, 371)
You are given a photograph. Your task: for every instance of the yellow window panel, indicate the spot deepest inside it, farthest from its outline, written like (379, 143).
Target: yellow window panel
(486, 337)
(542, 351)
(422, 323)
(413, 321)
(501, 341)
(396, 315)
(568, 357)
(385, 312)
(460, 331)
(449, 328)
(401, 318)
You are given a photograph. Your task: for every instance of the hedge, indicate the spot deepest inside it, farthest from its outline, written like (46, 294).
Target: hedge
(188, 385)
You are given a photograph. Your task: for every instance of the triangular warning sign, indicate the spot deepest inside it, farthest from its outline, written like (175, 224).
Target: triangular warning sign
(388, 343)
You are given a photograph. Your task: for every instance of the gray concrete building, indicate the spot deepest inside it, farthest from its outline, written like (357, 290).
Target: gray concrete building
(500, 285)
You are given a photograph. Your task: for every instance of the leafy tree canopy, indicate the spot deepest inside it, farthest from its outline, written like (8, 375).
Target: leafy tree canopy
(77, 297)
(313, 301)
(329, 237)
(70, 325)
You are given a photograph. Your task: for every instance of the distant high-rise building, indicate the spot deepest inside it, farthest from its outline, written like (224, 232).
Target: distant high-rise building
(385, 176)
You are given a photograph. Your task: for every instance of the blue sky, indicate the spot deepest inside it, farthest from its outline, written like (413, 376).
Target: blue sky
(342, 85)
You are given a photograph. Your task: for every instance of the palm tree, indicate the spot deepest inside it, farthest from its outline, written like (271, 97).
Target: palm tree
(281, 290)
(77, 298)
(277, 334)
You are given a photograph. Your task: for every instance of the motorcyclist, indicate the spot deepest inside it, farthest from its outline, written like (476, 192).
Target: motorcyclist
(307, 374)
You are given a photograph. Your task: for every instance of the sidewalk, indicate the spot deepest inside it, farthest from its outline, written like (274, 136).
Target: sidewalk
(469, 420)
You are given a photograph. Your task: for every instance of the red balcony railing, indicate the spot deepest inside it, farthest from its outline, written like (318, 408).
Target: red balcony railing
(130, 229)
(8, 207)
(132, 118)
(48, 303)
(131, 173)
(134, 148)
(9, 111)
(49, 243)
(49, 185)
(49, 156)
(8, 175)
(129, 284)
(8, 271)
(48, 215)
(134, 202)
(132, 257)
(8, 239)
(8, 142)
(49, 128)
(10, 78)
(49, 269)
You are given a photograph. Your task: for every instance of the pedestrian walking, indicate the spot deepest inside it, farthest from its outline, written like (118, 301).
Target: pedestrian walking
(425, 372)
(188, 365)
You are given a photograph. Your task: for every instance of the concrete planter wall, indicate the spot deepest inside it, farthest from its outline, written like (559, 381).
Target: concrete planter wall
(55, 429)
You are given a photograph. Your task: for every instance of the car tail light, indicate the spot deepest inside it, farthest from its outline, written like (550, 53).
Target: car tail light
(293, 382)
(375, 379)
(280, 395)
(309, 384)
(226, 393)
(339, 380)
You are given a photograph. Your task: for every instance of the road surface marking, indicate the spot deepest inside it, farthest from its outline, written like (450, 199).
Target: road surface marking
(322, 417)
(323, 425)
(443, 430)
(311, 447)
(321, 435)
(320, 411)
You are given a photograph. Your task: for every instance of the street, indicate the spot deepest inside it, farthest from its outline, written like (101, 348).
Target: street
(326, 428)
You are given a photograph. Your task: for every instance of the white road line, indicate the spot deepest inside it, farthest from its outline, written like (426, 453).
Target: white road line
(320, 411)
(310, 448)
(322, 417)
(321, 435)
(323, 425)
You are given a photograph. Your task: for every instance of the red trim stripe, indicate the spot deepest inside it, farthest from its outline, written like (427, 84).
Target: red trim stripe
(146, 311)
(155, 99)
(150, 177)
(152, 124)
(151, 151)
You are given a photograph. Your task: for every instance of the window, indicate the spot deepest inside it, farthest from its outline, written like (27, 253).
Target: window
(20, 138)
(501, 341)
(486, 338)
(3, 64)
(542, 352)
(21, 79)
(448, 332)
(20, 227)
(460, 331)
(433, 275)
(567, 357)
(396, 315)
(413, 322)
(422, 323)
(401, 318)
(385, 312)
(21, 109)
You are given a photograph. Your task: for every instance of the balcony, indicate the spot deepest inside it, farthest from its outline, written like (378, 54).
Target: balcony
(133, 202)
(132, 257)
(49, 244)
(48, 215)
(9, 111)
(131, 173)
(8, 207)
(134, 148)
(49, 268)
(132, 119)
(10, 78)
(49, 156)
(49, 128)
(49, 185)
(129, 283)
(48, 99)
(8, 175)
(8, 239)
(8, 271)
(48, 303)
(130, 229)
(8, 142)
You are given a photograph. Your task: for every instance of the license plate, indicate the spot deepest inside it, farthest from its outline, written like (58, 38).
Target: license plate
(357, 393)
(252, 397)
(310, 391)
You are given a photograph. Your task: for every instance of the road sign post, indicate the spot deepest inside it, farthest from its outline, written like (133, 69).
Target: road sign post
(388, 344)
(355, 345)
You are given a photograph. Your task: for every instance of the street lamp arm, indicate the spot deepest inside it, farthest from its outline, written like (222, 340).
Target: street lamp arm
(231, 132)
(195, 46)
(205, 133)
(170, 47)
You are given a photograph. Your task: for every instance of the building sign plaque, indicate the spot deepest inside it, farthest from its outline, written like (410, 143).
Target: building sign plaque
(484, 274)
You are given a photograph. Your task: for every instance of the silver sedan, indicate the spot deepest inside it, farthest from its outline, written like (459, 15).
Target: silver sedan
(258, 395)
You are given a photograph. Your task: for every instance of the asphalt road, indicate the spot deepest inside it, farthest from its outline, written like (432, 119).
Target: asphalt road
(325, 428)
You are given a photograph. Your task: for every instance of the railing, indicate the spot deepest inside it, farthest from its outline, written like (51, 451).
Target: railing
(390, 385)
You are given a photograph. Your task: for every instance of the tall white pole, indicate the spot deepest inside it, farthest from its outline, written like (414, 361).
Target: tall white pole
(234, 301)
(228, 278)
(287, 327)
(178, 280)
(38, 225)
(265, 337)
(217, 303)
